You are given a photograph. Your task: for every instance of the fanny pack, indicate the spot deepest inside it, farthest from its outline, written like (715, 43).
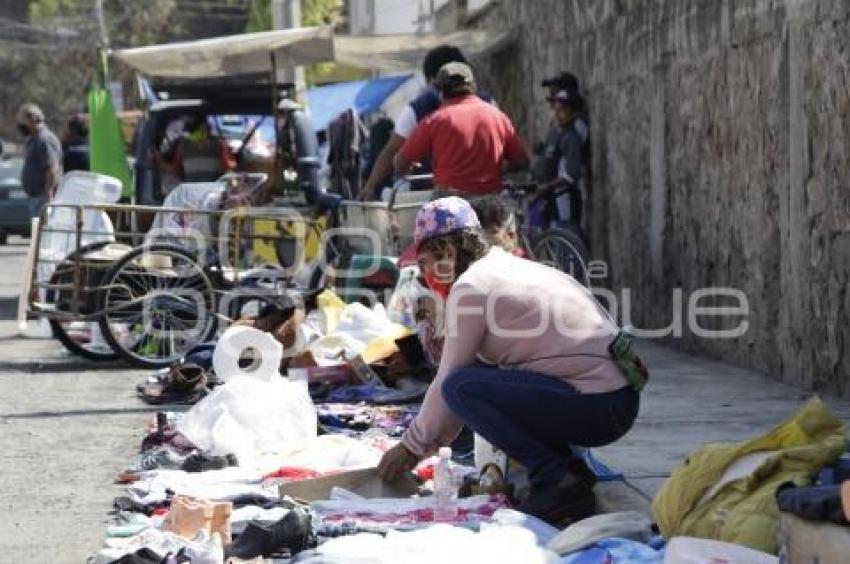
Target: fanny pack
(628, 361)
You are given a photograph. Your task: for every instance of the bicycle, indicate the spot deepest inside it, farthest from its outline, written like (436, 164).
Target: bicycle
(561, 247)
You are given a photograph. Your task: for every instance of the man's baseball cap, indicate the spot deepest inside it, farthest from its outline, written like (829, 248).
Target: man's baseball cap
(564, 81)
(455, 74)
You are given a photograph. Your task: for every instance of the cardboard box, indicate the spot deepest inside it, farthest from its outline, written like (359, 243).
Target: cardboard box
(365, 483)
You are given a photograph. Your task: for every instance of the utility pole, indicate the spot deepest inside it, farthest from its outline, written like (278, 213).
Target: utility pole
(101, 24)
(286, 14)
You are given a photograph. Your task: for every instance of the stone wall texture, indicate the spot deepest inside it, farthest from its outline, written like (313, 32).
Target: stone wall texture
(720, 136)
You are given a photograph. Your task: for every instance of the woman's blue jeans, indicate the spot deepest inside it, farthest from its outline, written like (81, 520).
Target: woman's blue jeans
(534, 418)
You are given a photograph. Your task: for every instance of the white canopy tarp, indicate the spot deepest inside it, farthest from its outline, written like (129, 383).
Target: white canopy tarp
(249, 53)
(404, 52)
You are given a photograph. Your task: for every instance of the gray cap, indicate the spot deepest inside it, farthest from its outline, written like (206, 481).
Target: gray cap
(455, 74)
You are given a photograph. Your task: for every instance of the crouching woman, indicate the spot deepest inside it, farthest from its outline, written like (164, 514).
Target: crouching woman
(531, 362)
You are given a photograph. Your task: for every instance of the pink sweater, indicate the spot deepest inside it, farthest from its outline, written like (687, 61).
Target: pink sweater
(518, 314)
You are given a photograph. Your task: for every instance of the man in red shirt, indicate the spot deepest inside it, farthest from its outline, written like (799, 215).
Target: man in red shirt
(468, 139)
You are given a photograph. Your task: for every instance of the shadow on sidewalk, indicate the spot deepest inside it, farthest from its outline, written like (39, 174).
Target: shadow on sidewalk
(92, 412)
(61, 365)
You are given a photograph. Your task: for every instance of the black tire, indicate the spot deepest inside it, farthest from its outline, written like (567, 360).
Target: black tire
(76, 348)
(4, 238)
(59, 331)
(127, 281)
(563, 249)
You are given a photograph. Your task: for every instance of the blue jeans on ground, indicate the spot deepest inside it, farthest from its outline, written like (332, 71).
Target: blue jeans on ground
(534, 418)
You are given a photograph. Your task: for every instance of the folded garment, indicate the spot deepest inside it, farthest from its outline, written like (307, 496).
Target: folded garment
(214, 485)
(404, 513)
(627, 524)
(407, 390)
(393, 420)
(257, 513)
(617, 551)
(157, 546)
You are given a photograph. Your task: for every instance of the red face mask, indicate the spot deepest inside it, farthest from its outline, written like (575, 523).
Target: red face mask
(440, 288)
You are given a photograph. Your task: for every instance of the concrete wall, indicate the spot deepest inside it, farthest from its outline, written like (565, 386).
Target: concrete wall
(720, 138)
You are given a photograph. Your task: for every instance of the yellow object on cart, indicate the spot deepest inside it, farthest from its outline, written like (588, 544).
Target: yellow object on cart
(306, 232)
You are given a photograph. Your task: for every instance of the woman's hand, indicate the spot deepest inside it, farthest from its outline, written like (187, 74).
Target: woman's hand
(395, 462)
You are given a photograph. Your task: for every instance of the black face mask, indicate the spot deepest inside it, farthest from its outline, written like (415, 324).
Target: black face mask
(24, 129)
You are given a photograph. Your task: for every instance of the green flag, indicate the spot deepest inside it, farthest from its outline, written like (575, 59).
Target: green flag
(106, 145)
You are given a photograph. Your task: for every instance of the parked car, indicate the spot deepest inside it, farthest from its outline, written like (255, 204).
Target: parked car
(14, 203)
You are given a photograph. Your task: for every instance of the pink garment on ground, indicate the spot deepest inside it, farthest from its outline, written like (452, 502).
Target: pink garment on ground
(424, 514)
(523, 315)
(293, 474)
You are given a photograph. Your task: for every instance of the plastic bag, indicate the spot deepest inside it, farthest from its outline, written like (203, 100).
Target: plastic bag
(248, 417)
(356, 327)
(187, 228)
(59, 238)
(402, 305)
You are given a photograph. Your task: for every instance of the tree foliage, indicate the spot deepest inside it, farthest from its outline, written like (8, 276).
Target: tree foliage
(58, 63)
(313, 13)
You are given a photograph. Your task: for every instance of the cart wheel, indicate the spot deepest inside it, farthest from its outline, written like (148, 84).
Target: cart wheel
(158, 304)
(82, 338)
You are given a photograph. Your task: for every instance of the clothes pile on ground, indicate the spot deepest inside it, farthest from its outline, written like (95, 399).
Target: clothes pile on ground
(265, 467)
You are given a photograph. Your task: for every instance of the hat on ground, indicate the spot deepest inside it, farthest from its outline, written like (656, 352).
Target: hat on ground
(442, 217)
(455, 74)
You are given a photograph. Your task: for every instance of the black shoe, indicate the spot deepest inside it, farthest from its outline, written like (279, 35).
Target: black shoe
(253, 542)
(200, 462)
(291, 533)
(570, 500)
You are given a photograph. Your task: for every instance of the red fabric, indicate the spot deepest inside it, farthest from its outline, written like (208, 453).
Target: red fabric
(408, 257)
(467, 140)
(293, 474)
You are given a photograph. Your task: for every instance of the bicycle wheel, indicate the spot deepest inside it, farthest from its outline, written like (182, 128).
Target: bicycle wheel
(564, 250)
(81, 338)
(158, 304)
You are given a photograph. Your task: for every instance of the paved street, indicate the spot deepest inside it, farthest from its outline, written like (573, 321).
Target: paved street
(67, 426)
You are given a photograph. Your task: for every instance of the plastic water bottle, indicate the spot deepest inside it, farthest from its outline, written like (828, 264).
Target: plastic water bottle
(445, 490)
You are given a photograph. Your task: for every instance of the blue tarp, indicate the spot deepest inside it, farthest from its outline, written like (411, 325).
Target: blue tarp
(365, 96)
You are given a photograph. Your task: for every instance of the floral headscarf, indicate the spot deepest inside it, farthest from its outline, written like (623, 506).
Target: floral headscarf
(442, 217)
